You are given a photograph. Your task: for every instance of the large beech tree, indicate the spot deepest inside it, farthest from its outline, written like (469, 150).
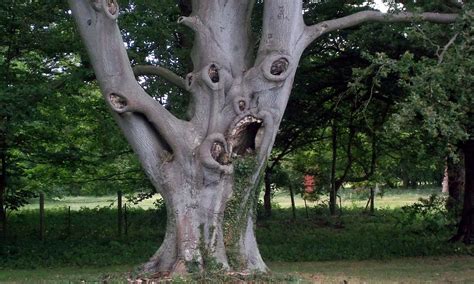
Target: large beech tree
(207, 169)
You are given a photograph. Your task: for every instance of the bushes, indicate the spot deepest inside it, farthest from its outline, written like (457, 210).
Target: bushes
(93, 241)
(355, 236)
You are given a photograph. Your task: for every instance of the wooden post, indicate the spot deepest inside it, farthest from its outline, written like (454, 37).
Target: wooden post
(125, 217)
(372, 199)
(306, 207)
(41, 213)
(333, 192)
(3, 225)
(119, 212)
(69, 221)
(293, 207)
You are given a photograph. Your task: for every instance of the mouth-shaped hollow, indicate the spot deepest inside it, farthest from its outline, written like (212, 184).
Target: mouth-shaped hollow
(244, 138)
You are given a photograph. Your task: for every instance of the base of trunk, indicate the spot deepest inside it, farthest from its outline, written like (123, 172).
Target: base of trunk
(177, 258)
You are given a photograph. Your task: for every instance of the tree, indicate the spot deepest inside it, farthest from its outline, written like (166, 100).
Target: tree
(207, 168)
(25, 80)
(56, 134)
(439, 114)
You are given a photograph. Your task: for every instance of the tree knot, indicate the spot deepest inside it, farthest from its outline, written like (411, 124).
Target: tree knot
(276, 67)
(109, 7)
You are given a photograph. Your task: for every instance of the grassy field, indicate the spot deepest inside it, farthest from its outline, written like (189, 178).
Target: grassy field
(390, 199)
(391, 245)
(459, 269)
(78, 202)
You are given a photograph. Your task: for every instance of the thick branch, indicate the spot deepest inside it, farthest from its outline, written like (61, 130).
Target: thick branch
(350, 159)
(168, 75)
(222, 34)
(317, 30)
(283, 26)
(446, 47)
(100, 33)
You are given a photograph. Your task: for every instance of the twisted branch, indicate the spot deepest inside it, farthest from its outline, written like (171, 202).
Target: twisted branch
(96, 20)
(168, 75)
(317, 30)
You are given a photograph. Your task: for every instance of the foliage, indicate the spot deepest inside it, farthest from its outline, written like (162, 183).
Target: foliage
(437, 109)
(55, 130)
(430, 213)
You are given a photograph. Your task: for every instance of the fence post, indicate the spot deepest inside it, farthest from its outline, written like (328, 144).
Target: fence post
(119, 212)
(125, 219)
(69, 221)
(293, 207)
(306, 207)
(372, 199)
(41, 213)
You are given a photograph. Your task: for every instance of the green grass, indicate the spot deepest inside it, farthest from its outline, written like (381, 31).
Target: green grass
(78, 202)
(355, 246)
(92, 240)
(65, 274)
(392, 198)
(450, 269)
(458, 269)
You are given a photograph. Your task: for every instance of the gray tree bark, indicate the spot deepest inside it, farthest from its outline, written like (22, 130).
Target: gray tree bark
(207, 169)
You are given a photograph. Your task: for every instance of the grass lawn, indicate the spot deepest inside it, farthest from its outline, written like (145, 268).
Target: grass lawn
(392, 245)
(459, 269)
(452, 269)
(78, 202)
(391, 199)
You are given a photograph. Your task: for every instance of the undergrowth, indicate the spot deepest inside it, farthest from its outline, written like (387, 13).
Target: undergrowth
(91, 238)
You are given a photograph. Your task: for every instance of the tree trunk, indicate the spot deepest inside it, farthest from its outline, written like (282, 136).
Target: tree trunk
(466, 225)
(3, 183)
(468, 210)
(405, 180)
(267, 197)
(119, 213)
(372, 200)
(455, 172)
(210, 223)
(333, 192)
(445, 182)
(208, 169)
(293, 207)
(41, 217)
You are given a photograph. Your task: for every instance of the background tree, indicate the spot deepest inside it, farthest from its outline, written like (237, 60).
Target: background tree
(443, 110)
(351, 93)
(56, 134)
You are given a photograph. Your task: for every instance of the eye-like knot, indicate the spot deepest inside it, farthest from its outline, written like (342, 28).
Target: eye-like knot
(279, 66)
(213, 73)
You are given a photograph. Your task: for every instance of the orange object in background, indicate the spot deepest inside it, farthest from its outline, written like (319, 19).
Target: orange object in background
(308, 183)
